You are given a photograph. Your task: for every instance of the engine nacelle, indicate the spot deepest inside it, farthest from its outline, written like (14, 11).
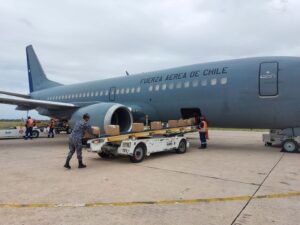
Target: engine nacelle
(106, 113)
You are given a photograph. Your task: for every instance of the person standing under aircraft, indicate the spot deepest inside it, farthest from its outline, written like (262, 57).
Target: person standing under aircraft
(203, 132)
(29, 127)
(51, 129)
(75, 140)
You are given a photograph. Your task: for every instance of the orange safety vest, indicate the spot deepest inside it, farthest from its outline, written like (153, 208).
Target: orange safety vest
(204, 129)
(29, 123)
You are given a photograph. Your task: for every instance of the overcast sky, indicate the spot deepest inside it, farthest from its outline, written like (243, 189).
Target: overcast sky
(87, 40)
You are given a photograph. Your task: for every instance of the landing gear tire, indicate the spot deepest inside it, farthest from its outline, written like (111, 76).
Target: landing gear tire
(103, 155)
(290, 145)
(139, 154)
(35, 134)
(181, 147)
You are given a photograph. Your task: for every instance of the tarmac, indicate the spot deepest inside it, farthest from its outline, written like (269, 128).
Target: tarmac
(236, 181)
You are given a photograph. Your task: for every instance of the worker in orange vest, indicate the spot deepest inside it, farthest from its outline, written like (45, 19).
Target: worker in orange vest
(203, 132)
(29, 127)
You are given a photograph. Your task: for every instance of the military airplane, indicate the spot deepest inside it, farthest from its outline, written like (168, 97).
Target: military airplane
(260, 92)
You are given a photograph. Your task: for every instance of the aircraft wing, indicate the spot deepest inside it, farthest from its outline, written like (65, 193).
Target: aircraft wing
(27, 104)
(14, 94)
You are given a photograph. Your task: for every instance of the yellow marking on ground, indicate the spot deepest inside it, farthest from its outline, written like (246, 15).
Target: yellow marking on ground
(137, 203)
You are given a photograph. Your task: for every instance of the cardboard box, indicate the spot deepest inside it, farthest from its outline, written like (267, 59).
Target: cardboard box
(181, 123)
(96, 132)
(193, 120)
(188, 122)
(156, 125)
(172, 123)
(137, 127)
(112, 130)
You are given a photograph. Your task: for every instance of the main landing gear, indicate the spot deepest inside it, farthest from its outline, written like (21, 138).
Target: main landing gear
(286, 138)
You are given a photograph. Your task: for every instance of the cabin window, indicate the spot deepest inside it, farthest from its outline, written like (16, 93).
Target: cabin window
(171, 86)
(224, 80)
(76, 95)
(150, 88)
(186, 84)
(122, 91)
(132, 90)
(97, 93)
(83, 95)
(117, 91)
(157, 87)
(138, 90)
(87, 94)
(204, 82)
(163, 87)
(106, 92)
(101, 93)
(127, 90)
(195, 83)
(92, 94)
(213, 82)
(178, 85)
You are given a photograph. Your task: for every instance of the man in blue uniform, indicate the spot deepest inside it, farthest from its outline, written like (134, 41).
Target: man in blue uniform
(75, 140)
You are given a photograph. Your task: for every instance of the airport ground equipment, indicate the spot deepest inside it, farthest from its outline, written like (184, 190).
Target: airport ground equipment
(62, 126)
(287, 138)
(139, 145)
(19, 132)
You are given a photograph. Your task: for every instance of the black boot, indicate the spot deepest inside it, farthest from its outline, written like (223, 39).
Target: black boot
(203, 146)
(67, 164)
(80, 164)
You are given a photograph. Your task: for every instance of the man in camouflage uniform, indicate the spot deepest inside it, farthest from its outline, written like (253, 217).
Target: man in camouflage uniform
(75, 140)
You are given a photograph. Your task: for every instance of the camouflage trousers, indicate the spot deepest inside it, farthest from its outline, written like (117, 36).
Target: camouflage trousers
(75, 146)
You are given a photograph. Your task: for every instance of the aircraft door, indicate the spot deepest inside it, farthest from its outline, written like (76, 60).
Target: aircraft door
(268, 79)
(112, 94)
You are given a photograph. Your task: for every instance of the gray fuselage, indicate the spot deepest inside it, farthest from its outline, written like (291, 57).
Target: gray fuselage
(244, 93)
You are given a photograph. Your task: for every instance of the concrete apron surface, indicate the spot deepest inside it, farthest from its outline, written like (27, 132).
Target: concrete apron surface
(236, 181)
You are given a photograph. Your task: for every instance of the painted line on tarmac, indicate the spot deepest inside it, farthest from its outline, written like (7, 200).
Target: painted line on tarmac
(139, 203)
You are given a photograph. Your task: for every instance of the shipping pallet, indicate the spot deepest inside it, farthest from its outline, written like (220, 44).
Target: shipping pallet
(150, 133)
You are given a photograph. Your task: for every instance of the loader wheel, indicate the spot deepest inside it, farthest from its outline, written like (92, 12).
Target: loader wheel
(181, 147)
(290, 145)
(103, 155)
(35, 134)
(139, 154)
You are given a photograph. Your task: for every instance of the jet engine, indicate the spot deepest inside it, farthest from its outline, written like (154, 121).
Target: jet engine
(106, 113)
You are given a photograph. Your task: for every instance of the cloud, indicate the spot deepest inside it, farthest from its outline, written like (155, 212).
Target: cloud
(78, 41)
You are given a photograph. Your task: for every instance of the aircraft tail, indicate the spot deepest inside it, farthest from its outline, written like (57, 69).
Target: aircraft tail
(36, 76)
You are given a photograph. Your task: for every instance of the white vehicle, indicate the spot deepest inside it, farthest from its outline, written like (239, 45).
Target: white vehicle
(138, 148)
(19, 132)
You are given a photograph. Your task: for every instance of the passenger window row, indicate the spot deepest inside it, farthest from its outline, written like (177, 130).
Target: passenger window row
(118, 91)
(157, 87)
(186, 84)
